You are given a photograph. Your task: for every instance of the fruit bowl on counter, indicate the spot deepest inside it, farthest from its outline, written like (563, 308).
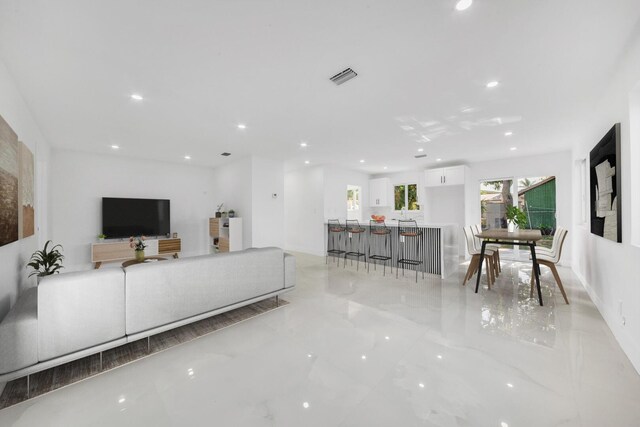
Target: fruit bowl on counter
(378, 218)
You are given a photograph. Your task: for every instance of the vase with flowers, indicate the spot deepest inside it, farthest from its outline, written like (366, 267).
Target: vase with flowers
(138, 245)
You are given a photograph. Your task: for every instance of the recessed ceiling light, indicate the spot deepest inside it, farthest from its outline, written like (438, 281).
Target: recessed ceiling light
(493, 84)
(420, 150)
(242, 126)
(362, 161)
(438, 160)
(463, 4)
(115, 147)
(508, 133)
(384, 167)
(303, 144)
(305, 405)
(122, 400)
(306, 162)
(187, 157)
(509, 385)
(364, 357)
(137, 97)
(421, 385)
(513, 148)
(439, 356)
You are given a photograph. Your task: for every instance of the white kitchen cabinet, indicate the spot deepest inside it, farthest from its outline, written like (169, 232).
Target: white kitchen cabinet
(379, 192)
(452, 175)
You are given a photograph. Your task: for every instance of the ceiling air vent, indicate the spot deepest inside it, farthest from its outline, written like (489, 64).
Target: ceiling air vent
(420, 156)
(225, 154)
(343, 76)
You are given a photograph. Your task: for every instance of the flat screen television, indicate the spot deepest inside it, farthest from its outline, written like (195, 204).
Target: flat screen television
(135, 217)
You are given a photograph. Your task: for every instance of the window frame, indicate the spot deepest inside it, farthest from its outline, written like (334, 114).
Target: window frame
(406, 196)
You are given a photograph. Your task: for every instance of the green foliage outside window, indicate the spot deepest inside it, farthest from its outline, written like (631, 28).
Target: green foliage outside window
(405, 196)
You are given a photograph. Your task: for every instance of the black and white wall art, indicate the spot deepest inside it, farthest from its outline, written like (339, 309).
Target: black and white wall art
(606, 203)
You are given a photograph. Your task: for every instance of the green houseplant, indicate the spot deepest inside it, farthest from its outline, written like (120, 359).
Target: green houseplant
(516, 216)
(46, 261)
(101, 237)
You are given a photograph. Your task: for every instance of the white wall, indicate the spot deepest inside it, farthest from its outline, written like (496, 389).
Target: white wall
(335, 192)
(246, 186)
(80, 180)
(304, 210)
(611, 271)
(14, 256)
(267, 210)
(553, 164)
(232, 186)
(447, 205)
(314, 195)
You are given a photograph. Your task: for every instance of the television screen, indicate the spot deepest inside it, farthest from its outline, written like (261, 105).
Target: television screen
(135, 217)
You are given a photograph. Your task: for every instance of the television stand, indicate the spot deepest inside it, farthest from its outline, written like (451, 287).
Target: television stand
(118, 251)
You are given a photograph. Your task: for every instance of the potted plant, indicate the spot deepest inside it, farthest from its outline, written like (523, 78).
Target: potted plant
(219, 210)
(46, 261)
(101, 237)
(516, 218)
(138, 245)
(232, 213)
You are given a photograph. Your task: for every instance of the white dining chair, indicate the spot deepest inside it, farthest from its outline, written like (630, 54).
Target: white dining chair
(495, 248)
(469, 234)
(551, 259)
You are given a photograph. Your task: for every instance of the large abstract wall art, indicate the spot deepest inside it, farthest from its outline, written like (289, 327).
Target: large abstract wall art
(606, 203)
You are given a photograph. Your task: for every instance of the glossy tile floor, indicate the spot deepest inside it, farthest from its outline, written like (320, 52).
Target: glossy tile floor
(364, 350)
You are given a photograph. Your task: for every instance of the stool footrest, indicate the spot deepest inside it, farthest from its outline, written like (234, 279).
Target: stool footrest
(335, 251)
(356, 254)
(409, 261)
(380, 257)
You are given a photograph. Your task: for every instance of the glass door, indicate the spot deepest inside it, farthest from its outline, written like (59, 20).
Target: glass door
(495, 196)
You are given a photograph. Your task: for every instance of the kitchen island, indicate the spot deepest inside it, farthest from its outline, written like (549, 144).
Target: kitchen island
(439, 243)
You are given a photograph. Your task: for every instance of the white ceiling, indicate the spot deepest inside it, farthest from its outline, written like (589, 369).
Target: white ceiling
(204, 66)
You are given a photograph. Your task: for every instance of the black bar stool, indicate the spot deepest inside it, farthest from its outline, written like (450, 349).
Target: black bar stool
(410, 247)
(380, 240)
(354, 229)
(335, 230)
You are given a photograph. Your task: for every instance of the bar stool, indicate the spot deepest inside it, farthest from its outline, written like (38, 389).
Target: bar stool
(335, 230)
(409, 234)
(380, 234)
(354, 228)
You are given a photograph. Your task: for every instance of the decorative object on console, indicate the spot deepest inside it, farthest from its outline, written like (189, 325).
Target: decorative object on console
(101, 237)
(46, 261)
(219, 210)
(138, 245)
(516, 218)
(232, 213)
(605, 179)
(175, 235)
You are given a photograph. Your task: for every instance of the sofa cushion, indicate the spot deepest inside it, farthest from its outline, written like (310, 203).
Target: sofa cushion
(19, 333)
(163, 292)
(79, 310)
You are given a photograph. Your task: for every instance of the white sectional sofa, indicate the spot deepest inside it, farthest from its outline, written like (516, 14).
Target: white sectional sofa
(73, 315)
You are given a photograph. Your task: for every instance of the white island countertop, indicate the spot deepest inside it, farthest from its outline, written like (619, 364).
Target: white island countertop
(394, 223)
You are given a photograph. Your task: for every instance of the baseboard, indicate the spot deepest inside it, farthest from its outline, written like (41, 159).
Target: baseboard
(630, 348)
(304, 250)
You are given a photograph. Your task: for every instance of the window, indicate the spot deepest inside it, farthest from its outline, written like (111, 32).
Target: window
(353, 202)
(405, 196)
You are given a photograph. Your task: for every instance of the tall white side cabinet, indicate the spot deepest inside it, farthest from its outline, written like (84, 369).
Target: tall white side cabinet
(450, 175)
(379, 190)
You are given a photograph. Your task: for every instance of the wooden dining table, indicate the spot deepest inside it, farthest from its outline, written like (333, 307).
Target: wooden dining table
(503, 236)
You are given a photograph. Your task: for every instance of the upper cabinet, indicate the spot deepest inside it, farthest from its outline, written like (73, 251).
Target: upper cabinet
(379, 192)
(452, 175)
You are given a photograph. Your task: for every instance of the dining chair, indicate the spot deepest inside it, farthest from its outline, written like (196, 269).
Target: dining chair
(469, 234)
(554, 244)
(495, 248)
(551, 259)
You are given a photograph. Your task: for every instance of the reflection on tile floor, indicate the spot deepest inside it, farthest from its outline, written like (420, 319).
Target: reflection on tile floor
(358, 349)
